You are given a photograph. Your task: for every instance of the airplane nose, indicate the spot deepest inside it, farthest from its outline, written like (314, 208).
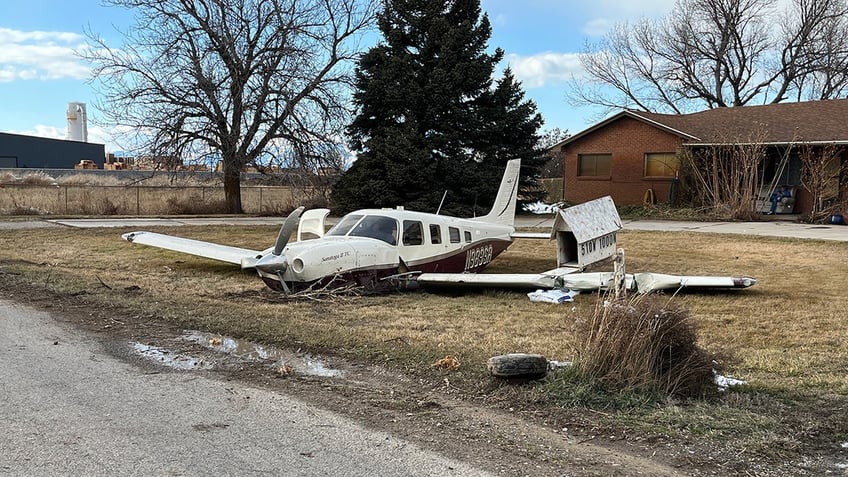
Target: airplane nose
(271, 263)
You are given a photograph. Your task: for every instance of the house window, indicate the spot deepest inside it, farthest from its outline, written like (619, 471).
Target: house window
(594, 165)
(661, 164)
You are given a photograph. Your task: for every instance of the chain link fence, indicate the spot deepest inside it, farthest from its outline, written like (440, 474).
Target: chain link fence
(20, 199)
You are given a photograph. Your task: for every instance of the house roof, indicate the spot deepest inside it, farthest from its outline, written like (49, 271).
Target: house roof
(783, 123)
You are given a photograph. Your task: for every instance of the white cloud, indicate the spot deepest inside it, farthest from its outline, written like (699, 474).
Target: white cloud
(96, 134)
(42, 130)
(42, 55)
(544, 69)
(102, 135)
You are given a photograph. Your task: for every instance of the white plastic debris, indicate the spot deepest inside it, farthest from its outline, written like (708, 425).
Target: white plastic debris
(552, 296)
(724, 382)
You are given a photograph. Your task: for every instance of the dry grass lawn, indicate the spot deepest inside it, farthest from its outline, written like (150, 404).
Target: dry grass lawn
(788, 331)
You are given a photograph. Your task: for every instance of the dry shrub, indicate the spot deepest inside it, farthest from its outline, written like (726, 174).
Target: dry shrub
(21, 210)
(193, 205)
(38, 179)
(643, 344)
(101, 206)
(7, 178)
(89, 180)
(164, 179)
(106, 207)
(278, 209)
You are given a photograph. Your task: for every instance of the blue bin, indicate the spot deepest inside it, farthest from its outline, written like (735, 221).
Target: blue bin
(837, 219)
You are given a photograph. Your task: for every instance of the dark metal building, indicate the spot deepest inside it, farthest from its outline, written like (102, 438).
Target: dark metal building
(19, 151)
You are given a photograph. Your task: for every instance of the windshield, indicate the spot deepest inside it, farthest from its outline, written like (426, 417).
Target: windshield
(374, 226)
(344, 226)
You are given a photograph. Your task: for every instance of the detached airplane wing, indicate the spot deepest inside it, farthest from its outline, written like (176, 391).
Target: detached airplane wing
(639, 282)
(243, 257)
(647, 281)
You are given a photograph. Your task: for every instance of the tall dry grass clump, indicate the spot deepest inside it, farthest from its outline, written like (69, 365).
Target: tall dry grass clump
(643, 344)
(7, 178)
(37, 179)
(194, 206)
(89, 180)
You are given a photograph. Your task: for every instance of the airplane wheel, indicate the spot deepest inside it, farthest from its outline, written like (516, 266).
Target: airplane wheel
(518, 365)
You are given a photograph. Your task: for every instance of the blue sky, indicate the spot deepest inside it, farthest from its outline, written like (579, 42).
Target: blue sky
(39, 73)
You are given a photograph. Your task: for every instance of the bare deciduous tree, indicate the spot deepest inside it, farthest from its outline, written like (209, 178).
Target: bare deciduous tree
(719, 53)
(554, 167)
(823, 174)
(725, 178)
(241, 81)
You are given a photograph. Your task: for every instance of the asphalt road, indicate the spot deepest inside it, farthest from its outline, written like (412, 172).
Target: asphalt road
(69, 407)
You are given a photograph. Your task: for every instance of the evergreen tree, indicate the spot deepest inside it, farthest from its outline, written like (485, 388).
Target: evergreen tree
(429, 119)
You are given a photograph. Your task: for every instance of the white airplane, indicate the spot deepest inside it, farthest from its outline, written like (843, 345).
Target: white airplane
(367, 245)
(381, 248)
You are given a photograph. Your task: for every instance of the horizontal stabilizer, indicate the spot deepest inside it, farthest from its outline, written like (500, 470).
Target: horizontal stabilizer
(239, 256)
(531, 235)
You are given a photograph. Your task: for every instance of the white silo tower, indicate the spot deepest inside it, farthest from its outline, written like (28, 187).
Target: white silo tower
(77, 122)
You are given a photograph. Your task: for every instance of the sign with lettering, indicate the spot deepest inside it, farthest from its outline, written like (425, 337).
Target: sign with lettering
(586, 233)
(596, 249)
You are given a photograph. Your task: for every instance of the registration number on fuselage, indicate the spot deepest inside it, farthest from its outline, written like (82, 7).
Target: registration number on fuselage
(478, 256)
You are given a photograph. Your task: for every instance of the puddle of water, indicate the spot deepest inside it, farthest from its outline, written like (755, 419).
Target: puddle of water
(303, 364)
(224, 344)
(166, 358)
(314, 367)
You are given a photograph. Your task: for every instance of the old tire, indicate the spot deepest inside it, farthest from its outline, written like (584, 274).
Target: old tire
(518, 365)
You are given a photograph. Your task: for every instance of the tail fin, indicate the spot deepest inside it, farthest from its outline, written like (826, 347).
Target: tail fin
(503, 211)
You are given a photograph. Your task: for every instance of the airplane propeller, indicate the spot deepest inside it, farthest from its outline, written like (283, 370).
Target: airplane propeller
(276, 262)
(286, 230)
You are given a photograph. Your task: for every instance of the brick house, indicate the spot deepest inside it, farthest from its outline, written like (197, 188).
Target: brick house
(632, 152)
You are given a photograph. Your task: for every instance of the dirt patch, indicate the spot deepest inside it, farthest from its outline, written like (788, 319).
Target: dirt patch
(500, 429)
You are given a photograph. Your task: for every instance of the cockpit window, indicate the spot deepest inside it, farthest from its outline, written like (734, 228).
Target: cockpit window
(373, 226)
(344, 225)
